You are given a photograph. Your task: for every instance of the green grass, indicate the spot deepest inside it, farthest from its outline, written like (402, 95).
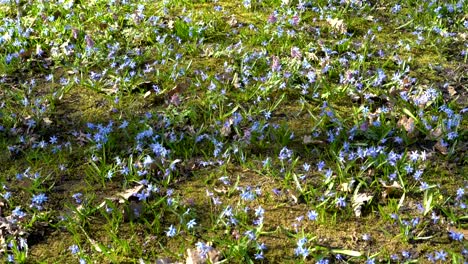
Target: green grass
(270, 131)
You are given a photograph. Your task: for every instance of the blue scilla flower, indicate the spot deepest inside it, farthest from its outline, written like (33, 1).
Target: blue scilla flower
(171, 231)
(456, 236)
(312, 215)
(341, 202)
(39, 199)
(74, 249)
(285, 153)
(17, 212)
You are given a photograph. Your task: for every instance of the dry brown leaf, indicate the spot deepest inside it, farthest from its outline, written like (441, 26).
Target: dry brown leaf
(125, 195)
(170, 24)
(222, 190)
(235, 81)
(337, 24)
(358, 201)
(233, 21)
(451, 91)
(346, 186)
(435, 133)
(47, 121)
(441, 147)
(391, 190)
(175, 99)
(311, 56)
(82, 139)
(407, 123)
(307, 139)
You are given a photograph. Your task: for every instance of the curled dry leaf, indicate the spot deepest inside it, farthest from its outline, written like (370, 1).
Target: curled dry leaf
(47, 121)
(222, 190)
(312, 56)
(122, 196)
(337, 25)
(134, 208)
(358, 201)
(125, 195)
(170, 24)
(346, 186)
(407, 123)
(452, 92)
(81, 138)
(435, 133)
(233, 21)
(441, 147)
(390, 190)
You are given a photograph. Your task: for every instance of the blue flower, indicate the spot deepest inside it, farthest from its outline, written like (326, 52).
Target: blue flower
(38, 200)
(341, 202)
(323, 261)
(203, 249)
(424, 186)
(312, 215)
(17, 212)
(171, 231)
(456, 236)
(74, 249)
(250, 234)
(259, 255)
(191, 224)
(77, 197)
(285, 153)
(259, 211)
(440, 255)
(300, 251)
(320, 165)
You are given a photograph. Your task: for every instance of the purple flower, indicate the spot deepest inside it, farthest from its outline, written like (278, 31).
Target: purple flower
(320, 165)
(440, 255)
(74, 249)
(312, 215)
(38, 200)
(460, 193)
(17, 212)
(456, 236)
(424, 186)
(341, 202)
(77, 197)
(285, 153)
